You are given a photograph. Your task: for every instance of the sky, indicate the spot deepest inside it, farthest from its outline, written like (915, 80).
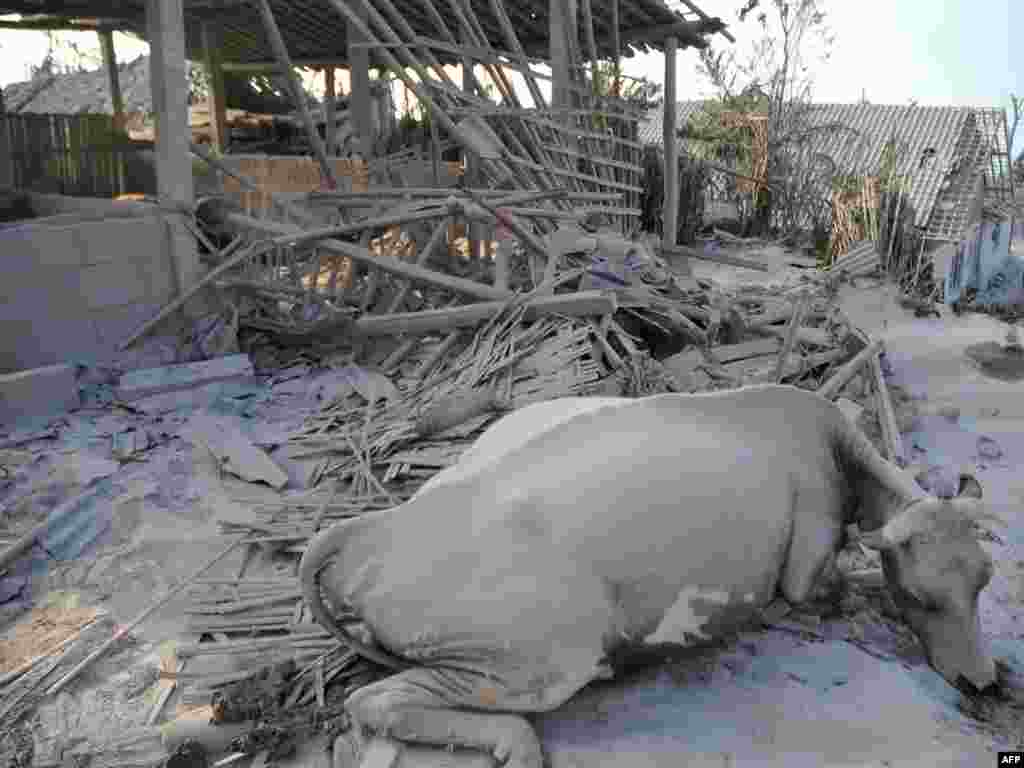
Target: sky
(934, 52)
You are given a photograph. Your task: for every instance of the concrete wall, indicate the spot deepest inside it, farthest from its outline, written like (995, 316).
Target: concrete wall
(72, 290)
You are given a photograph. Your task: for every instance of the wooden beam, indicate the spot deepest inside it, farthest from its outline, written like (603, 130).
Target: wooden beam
(330, 111)
(298, 94)
(386, 263)
(580, 304)
(113, 80)
(67, 26)
(685, 253)
(688, 34)
(670, 210)
(359, 103)
(693, 7)
(217, 101)
(269, 66)
(616, 45)
(558, 36)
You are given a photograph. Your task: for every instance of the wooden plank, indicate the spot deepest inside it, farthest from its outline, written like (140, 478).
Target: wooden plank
(298, 94)
(718, 258)
(150, 381)
(583, 303)
(730, 353)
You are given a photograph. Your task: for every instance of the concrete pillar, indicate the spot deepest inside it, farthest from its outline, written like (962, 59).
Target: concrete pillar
(213, 62)
(330, 110)
(359, 101)
(670, 212)
(106, 37)
(169, 85)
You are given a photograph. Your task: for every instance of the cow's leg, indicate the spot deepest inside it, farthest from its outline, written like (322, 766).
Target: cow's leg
(418, 706)
(814, 539)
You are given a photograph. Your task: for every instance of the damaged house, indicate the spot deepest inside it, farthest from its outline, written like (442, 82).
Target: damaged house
(952, 161)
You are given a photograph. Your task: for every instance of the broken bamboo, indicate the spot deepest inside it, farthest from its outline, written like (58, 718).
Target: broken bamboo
(124, 630)
(298, 94)
(385, 263)
(790, 338)
(886, 414)
(840, 378)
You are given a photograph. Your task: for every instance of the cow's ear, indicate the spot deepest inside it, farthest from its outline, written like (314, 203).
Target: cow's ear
(969, 488)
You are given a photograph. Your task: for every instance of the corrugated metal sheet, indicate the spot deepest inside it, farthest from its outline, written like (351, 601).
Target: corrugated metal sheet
(928, 138)
(937, 149)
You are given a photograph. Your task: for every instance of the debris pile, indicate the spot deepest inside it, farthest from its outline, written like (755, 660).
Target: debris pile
(581, 310)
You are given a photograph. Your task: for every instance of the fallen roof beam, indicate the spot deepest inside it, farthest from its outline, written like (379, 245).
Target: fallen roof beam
(268, 66)
(583, 303)
(386, 263)
(68, 25)
(693, 7)
(688, 33)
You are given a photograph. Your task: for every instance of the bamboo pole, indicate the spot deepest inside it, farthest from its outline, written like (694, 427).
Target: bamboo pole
(298, 94)
(249, 184)
(122, 631)
(790, 340)
(840, 378)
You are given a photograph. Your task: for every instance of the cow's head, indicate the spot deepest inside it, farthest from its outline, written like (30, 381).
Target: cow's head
(935, 569)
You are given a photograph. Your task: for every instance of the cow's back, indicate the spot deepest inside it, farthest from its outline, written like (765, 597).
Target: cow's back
(597, 526)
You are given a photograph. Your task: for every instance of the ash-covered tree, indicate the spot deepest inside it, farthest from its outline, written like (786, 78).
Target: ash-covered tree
(774, 79)
(1017, 107)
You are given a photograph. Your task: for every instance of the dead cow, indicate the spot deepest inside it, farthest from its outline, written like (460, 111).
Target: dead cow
(578, 530)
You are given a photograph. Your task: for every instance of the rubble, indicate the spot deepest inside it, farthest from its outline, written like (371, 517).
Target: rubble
(39, 393)
(362, 304)
(406, 351)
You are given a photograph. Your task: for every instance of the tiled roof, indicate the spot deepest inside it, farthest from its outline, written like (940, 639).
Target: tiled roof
(88, 93)
(652, 127)
(932, 141)
(82, 92)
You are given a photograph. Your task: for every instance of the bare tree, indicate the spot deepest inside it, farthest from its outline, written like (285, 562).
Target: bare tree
(1017, 105)
(776, 80)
